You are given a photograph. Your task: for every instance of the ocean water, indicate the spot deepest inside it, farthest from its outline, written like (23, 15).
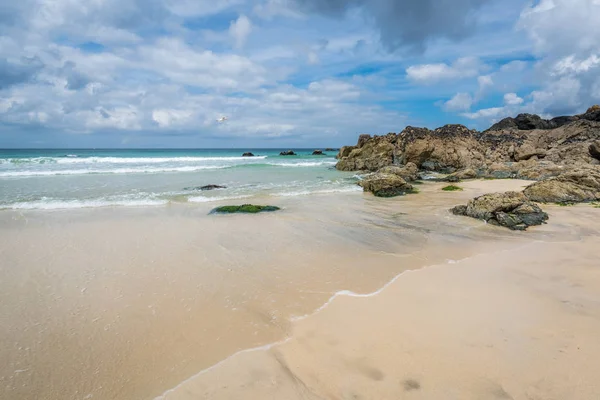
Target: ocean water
(62, 179)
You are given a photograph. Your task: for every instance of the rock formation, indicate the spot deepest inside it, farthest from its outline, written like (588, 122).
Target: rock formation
(497, 152)
(248, 155)
(287, 153)
(511, 209)
(317, 153)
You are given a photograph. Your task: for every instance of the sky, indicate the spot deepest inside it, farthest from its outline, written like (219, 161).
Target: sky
(286, 73)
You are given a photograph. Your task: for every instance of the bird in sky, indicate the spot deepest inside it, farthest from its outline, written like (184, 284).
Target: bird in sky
(222, 119)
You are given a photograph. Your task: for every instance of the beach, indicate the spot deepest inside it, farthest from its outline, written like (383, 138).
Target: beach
(165, 302)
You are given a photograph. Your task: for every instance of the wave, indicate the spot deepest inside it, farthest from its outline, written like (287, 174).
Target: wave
(74, 159)
(24, 174)
(206, 199)
(319, 191)
(74, 204)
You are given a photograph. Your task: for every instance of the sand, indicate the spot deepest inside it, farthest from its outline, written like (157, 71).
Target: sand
(145, 303)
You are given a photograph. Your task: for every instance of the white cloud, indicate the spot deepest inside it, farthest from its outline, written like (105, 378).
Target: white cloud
(166, 118)
(512, 99)
(433, 73)
(239, 30)
(460, 102)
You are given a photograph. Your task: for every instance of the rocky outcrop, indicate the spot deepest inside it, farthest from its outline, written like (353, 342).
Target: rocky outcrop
(287, 153)
(317, 153)
(409, 172)
(248, 155)
(527, 122)
(385, 185)
(573, 186)
(563, 141)
(511, 209)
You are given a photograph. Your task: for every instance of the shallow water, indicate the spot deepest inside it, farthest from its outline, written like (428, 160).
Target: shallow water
(59, 179)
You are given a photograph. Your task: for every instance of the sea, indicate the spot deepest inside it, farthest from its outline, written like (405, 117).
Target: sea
(68, 178)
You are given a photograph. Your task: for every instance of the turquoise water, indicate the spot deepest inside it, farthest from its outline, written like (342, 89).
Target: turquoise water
(58, 179)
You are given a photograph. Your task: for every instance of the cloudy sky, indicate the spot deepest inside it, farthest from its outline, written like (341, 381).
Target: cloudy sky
(303, 73)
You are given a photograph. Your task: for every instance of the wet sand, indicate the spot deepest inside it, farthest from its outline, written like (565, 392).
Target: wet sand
(127, 303)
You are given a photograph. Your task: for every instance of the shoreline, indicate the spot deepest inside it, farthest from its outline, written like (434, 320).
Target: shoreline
(231, 373)
(339, 294)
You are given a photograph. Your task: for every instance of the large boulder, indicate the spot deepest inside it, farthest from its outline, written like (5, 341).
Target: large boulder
(248, 154)
(385, 185)
(594, 150)
(287, 153)
(371, 155)
(317, 153)
(573, 186)
(408, 172)
(511, 209)
(458, 176)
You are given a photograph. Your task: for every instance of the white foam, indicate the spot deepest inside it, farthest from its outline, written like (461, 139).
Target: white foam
(301, 164)
(322, 191)
(74, 159)
(73, 204)
(206, 199)
(56, 172)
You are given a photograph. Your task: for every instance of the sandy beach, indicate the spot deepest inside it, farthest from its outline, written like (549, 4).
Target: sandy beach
(520, 323)
(158, 303)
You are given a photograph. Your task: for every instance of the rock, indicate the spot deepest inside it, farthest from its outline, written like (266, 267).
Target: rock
(248, 155)
(287, 153)
(573, 186)
(206, 187)
(385, 185)
(527, 151)
(245, 208)
(458, 176)
(373, 155)
(362, 139)
(592, 114)
(330, 149)
(409, 172)
(345, 151)
(528, 122)
(511, 209)
(318, 153)
(594, 150)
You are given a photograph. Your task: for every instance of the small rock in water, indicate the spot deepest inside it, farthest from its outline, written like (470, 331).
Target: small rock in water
(207, 187)
(318, 153)
(248, 154)
(287, 153)
(244, 208)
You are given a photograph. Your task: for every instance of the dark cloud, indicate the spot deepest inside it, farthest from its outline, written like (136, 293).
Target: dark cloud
(406, 24)
(13, 73)
(75, 79)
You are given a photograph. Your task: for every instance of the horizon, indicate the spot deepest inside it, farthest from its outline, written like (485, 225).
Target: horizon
(162, 74)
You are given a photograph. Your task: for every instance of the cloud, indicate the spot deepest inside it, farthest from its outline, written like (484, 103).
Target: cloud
(13, 72)
(512, 99)
(239, 30)
(405, 23)
(460, 102)
(429, 74)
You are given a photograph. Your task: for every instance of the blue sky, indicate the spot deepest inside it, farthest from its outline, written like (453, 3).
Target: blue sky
(287, 73)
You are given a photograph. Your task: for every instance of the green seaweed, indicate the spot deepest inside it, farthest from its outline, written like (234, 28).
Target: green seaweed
(565, 203)
(596, 204)
(452, 188)
(412, 191)
(244, 208)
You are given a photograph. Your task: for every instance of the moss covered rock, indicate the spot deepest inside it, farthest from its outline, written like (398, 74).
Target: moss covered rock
(245, 208)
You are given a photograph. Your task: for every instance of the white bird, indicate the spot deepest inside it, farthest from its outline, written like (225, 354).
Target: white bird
(222, 119)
